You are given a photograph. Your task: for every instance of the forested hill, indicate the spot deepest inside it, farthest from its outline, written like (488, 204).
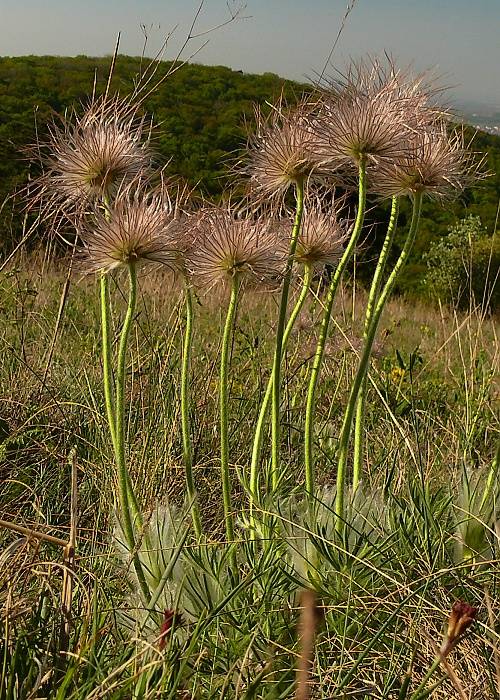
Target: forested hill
(202, 110)
(203, 114)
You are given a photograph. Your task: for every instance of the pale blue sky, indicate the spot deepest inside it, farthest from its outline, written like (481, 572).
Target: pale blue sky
(461, 38)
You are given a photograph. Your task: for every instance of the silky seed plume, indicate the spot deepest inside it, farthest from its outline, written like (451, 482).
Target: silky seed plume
(89, 157)
(436, 163)
(228, 247)
(139, 227)
(282, 151)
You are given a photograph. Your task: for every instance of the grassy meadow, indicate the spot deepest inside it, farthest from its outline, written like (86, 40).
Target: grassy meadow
(233, 462)
(385, 592)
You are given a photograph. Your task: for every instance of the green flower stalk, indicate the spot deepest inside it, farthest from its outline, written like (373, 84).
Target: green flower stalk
(106, 358)
(133, 229)
(280, 330)
(224, 410)
(185, 423)
(108, 377)
(257, 442)
(282, 156)
(109, 384)
(320, 242)
(325, 324)
(232, 251)
(370, 307)
(365, 357)
(124, 487)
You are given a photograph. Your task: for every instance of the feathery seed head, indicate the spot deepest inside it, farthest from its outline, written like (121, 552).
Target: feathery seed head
(355, 127)
(281, 152)
(436, 163)
(139, 227)
(321, 237)
(228, 247)
(90, 157)
(367, 115)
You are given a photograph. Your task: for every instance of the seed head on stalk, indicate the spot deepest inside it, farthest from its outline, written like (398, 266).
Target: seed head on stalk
(139, 227)
(228, 246)
(89, 157)
(367, 114)
(281, 152)
(321, 237)
(435, 163)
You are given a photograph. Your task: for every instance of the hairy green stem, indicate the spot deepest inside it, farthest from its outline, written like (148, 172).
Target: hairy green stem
(365, 357)
(128, 505)
(106, 358)
(109, 384)
(223, 408)
(323, 336)
(370, 306)
(185, 423)
(280, 329)
(257, 442)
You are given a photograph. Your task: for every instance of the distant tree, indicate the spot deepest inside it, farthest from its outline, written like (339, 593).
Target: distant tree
(463, 267)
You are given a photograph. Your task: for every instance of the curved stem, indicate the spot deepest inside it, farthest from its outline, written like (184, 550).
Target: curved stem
(323, 336)
(280, 329)
(106, 358)
(257, 441)
(127, 502)
(365, 357)
(109, 384)
(372, 297)
(186, 429)
(223, 409)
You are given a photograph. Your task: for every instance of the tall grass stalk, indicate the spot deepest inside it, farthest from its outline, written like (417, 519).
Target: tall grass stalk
(185, 422)
(280, 329)
(365, 357)
(370, 307)
(323, 336)
(257, 441)
(224, 408)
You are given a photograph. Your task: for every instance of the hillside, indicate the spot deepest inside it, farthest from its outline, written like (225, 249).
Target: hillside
(203, 113)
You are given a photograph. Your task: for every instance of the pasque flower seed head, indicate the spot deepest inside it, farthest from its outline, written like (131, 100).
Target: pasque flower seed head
(228, 246)
(435, 163)
(89, 157)
(139, 227)
(282, 151)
